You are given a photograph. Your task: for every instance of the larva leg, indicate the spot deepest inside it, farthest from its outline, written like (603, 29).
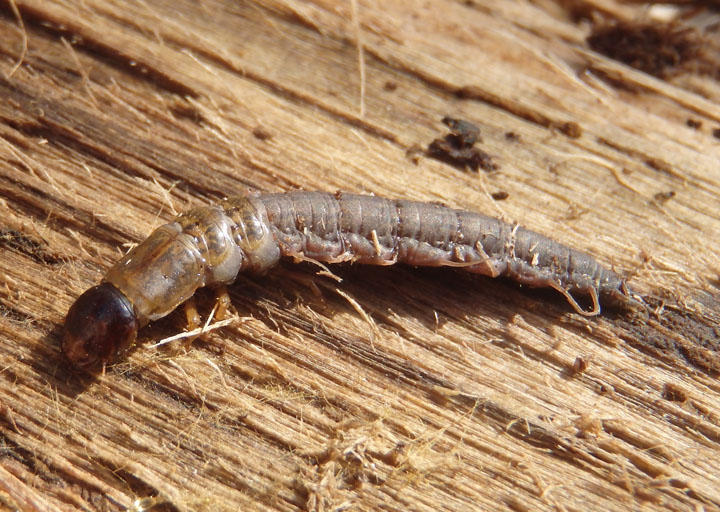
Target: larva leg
(302, 278)
(193, 320)
(191, 314)
(223, 303)
(571, 300)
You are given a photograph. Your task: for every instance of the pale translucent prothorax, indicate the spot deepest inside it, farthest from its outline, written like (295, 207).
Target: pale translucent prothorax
(203, 247)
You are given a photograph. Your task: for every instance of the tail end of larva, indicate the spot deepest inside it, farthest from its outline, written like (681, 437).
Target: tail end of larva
(622, 298)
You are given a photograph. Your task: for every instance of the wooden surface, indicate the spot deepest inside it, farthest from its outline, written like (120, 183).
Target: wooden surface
(396, 389)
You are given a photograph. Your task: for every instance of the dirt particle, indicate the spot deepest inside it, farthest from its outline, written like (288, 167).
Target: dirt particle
(466, 133)
(395, 456)
(674, 393)
(414, 153)
(663, 197)
(261, 133)
(659, 165)
(716, 133)
(457, 147)
(693, 123)
(390, 86)
(500, 195)
(660, 49)
(512, 136)
(569, 128)
(579, 365)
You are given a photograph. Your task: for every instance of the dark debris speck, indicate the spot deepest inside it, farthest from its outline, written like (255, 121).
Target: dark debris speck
(457, 147)
(659, 49)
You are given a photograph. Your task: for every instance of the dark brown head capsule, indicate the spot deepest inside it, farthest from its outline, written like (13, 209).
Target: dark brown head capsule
(99, 325)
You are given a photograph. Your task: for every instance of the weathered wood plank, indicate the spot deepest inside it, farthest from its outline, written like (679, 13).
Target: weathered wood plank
(465, 393)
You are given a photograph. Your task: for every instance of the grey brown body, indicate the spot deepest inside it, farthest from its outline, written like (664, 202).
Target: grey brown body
(210, 246)
(378, 231)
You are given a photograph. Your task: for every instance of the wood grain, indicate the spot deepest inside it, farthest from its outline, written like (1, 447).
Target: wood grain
(453, 392)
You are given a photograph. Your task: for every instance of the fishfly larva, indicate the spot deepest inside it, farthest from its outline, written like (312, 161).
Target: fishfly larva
(209, 246)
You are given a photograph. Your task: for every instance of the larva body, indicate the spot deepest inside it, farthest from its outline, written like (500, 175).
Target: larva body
(210, 246)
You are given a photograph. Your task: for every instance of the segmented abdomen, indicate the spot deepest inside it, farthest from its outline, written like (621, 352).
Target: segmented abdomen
(379, 231)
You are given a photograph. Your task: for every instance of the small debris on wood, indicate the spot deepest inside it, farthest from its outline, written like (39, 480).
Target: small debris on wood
(693, 123)
(659, 165)
(569, 128)
(659, 49)
(395, 456)
(663, 197)
(500, 195)
(390, 86)
(414, 153)
(466, 133)
(716, 133)
(261, 133)
(512, 136)
(588, 426)
(579, 365)
(674, 393)
(456, 148)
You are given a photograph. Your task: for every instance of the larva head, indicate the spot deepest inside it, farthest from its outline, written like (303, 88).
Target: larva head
(100, 324)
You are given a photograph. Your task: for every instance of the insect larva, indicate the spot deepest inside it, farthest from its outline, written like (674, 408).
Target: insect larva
(209, 246)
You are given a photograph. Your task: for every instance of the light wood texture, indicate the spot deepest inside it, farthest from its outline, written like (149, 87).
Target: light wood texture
(395, 389)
